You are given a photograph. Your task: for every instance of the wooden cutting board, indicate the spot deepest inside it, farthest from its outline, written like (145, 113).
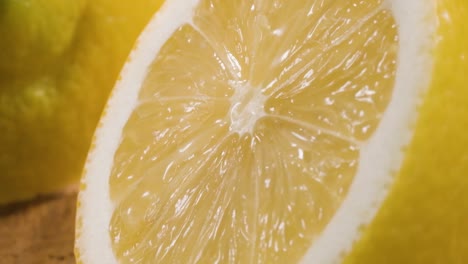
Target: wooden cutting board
(38, 232)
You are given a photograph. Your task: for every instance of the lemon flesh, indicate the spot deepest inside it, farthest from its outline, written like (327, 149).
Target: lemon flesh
(58, 62)
(247, 131)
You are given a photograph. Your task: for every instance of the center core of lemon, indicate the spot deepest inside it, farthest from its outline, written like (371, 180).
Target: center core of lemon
(247, 106)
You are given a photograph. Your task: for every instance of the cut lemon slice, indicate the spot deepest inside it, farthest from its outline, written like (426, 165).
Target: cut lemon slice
(255, 131)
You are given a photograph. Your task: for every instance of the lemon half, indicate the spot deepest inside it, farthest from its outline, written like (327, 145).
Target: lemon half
(270, 132)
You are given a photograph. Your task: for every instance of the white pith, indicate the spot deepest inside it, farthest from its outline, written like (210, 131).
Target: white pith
(380, 157)
(246, 108)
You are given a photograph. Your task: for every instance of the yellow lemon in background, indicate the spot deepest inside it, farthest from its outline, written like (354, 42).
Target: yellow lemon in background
(285, 131)
(58, 62)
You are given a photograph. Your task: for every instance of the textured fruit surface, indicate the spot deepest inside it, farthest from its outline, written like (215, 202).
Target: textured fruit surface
(247, 131)
(240, 133)
(423, 219)
(58, 62)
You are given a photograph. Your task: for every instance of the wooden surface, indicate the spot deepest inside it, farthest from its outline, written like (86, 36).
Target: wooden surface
(41, 231)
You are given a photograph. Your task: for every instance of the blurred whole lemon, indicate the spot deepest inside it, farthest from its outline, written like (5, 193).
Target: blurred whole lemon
(58, 61)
